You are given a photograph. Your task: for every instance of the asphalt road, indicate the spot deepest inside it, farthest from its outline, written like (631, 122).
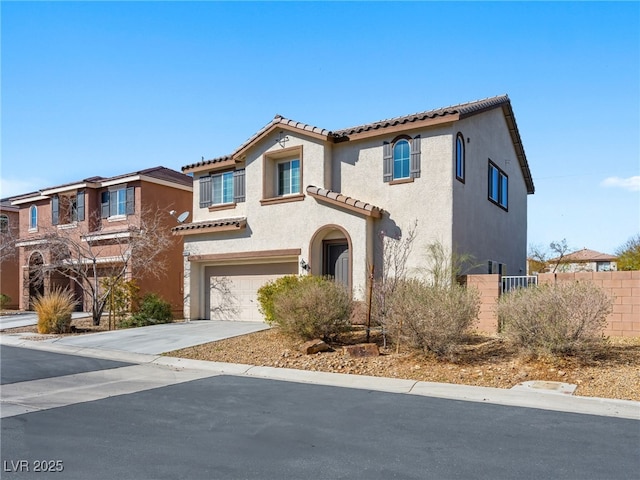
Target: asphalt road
(228, 427)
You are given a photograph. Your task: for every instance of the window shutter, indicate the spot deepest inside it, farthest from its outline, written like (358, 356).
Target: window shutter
(55, 209)
(205, 192)
(80, 206)
(238, 185)
(414, 168)
(104, 203)
(387, 162)
(131, 208)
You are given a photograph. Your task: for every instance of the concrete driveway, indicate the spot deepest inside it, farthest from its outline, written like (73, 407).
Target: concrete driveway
(157, 339)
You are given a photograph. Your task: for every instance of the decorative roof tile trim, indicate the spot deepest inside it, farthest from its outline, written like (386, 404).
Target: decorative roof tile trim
(210, 226)
(463, 109)
(341, 200)
(204, 162)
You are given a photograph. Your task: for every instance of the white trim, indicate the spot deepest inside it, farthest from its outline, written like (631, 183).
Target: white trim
(21, 201)
(66, 188)
(106, 236)
(29, 243)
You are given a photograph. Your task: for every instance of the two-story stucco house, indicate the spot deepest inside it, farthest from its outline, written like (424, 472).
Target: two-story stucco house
(299, 199)
(99, 215)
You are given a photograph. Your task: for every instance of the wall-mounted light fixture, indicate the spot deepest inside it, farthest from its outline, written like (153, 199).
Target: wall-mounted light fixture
(305, 266)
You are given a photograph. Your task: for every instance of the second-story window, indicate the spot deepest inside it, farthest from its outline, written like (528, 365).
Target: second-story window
(222, 188)
(117, 202)
(460, 160)
(67, 209)
(401, 159)
(33, 217)
(498, 186)
(4, 223)
(289, 177)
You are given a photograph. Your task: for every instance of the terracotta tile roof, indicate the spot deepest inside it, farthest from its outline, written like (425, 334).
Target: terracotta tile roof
(463, 109)
(197, 227)
(344, 201)
(586, 255)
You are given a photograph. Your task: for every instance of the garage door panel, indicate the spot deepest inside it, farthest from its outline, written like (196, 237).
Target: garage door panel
(242, 281)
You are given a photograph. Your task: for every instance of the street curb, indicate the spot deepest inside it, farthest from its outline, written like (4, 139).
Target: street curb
(516, 398)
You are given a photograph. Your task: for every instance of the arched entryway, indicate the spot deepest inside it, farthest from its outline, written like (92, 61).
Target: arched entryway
(331, 253)
(36, 277)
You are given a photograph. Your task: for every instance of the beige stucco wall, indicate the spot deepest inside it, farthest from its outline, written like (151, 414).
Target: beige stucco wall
(427, 200)
(480, 227)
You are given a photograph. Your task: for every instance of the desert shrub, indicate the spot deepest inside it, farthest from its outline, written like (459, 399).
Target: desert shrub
(4, 300)
(153, 310)
(269, 290)
(313, 307)
(432, 317)
(554, 319)
(54, 311)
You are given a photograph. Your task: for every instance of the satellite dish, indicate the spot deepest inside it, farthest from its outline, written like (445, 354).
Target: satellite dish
(183, 216)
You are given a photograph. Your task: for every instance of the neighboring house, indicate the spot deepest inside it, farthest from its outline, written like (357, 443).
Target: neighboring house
(102, 213)
(584, 260)
(297, 199)
(9, 267)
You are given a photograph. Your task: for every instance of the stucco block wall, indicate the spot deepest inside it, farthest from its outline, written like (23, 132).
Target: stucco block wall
(623, 287)
(489, 288)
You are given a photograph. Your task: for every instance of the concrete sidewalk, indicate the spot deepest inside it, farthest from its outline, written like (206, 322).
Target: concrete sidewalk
(26, 319)
(161, 337)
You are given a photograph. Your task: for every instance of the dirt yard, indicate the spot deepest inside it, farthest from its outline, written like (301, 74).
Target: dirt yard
(610, 372)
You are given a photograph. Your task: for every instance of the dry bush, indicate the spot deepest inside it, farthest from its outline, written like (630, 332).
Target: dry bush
(54, 311)
(313, 307)
(432, 318)
(554, 319)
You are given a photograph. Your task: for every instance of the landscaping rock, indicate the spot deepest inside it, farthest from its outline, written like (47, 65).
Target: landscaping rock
(362, 350)
(314, 346)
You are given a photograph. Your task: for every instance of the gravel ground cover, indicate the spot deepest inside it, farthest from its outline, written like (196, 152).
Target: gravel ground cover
(612, 371)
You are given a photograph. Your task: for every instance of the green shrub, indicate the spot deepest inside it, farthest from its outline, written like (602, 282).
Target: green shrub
(153, 310)
(313, 307)
(4, 300)
(269, 290)
(431, 317)
(54, 311)
(554, 319)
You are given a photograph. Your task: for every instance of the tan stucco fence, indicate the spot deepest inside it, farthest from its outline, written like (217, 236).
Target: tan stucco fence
(623, 287)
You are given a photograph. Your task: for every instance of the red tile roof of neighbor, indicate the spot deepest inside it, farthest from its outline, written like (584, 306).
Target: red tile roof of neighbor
(461, 110)
(586, 255)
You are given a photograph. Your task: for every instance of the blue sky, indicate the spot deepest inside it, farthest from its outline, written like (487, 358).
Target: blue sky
(104, 88)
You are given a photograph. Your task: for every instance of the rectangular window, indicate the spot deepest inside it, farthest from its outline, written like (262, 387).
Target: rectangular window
(117, 202)
(222, 185)
(289, 177)
(498, 186)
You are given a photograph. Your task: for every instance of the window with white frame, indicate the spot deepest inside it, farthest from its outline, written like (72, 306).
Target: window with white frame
(118, 202)
(288, 177)
(225, 188)
(498, 186)
(68, 208)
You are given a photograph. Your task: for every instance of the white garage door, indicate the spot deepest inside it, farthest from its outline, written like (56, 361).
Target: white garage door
(233, 289)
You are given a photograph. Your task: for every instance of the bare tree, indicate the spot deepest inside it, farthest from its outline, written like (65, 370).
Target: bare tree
(85, 257)
(8, 239)
(395, 253)
(543, 260)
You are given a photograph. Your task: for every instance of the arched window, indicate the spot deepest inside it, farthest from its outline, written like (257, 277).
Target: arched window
(4, 224)
(401, 159)
(401, 156)
(460, 160)
(33, 217)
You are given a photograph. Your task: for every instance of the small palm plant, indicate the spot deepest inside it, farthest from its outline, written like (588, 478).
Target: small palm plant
(54, 311)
